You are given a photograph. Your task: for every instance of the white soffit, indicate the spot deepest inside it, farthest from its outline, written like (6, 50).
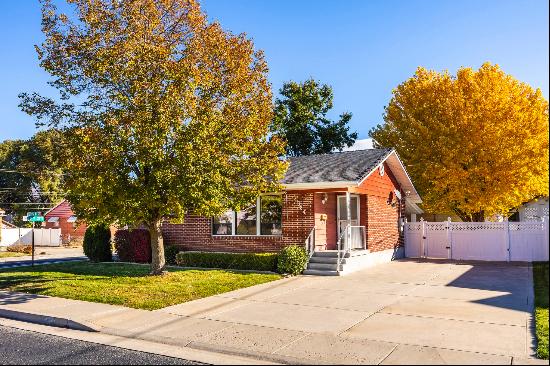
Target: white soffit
(403, 178)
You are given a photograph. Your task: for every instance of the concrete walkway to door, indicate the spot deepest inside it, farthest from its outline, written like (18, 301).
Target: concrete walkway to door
(404, 312)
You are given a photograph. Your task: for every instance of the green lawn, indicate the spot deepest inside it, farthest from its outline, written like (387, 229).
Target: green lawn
(540, 276)
(11, 254)
(126, 284)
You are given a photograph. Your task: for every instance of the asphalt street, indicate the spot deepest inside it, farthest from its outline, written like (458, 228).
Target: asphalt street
(31, 348)
(28, 263)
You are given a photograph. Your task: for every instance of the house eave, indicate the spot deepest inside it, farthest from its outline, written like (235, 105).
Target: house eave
(396, 166)
(319, 185)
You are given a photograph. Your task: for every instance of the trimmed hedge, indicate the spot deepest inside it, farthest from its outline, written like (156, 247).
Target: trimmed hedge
(20, 248)
(97, 243)
(170, 253)
(133, 245)
(243, 261)
(292, 260)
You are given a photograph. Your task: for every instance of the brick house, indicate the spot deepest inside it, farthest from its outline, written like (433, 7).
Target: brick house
(347, 208)
(62, 217)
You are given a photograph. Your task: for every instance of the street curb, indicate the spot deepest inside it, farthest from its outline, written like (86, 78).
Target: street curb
(140, 345)
(51, 321)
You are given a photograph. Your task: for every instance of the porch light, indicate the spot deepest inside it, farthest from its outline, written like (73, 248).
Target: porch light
(325, 199)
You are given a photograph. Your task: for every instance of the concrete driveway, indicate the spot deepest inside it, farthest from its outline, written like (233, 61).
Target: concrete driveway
(404, 312)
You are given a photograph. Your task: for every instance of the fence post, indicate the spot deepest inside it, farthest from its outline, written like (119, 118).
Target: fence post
(507, 238)
(449, 240)
(423, 251)
(546, 239)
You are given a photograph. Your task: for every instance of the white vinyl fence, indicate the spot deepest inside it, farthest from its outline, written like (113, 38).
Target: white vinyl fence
(42, 237)
(484, 241)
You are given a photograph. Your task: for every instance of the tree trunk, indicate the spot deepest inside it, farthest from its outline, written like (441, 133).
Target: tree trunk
(478, 216)
(473, 217)
(157, 248)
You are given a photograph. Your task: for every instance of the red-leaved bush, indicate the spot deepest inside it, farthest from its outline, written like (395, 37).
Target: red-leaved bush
(133, 245)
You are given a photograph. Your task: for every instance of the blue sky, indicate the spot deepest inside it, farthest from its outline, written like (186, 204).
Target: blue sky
(363, 48)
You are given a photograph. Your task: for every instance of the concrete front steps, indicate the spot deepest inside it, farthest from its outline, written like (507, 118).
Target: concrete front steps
(324, 263)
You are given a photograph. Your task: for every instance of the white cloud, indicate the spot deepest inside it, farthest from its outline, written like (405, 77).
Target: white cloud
(360, 145)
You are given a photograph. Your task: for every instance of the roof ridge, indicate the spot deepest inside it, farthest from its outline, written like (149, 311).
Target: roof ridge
(339, 152)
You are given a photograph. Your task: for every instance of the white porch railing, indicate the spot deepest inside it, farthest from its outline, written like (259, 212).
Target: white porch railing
(310, 242)
(356, 238)
(351, 238)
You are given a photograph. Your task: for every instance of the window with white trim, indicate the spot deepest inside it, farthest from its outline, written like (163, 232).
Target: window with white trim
(271, 215)
(223, 225)
(268, 208)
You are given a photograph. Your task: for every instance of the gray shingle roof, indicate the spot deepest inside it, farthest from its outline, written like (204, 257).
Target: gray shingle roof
(334, 167)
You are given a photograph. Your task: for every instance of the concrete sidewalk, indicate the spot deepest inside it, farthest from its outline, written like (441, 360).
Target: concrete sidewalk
(404, 312)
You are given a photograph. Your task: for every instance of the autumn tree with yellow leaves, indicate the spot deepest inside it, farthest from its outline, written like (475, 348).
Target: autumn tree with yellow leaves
(165, 113)
(475, 144)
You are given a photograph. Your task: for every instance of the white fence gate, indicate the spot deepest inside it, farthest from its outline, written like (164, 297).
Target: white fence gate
(42, 237)
(485, 241)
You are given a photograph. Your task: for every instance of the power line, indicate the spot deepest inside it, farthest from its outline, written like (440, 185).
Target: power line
(30, 172)
(28, 203)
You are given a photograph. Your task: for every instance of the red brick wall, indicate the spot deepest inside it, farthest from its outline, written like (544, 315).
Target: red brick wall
(68, 231)
(382, 219)
(195, 232)
(301, 211)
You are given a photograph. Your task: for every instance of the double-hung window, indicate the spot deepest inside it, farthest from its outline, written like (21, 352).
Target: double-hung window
(264, 217)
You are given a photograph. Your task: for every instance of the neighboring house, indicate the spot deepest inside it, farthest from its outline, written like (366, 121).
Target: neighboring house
(370, 187)
(62, 217)
(6, 225)
(533, 210)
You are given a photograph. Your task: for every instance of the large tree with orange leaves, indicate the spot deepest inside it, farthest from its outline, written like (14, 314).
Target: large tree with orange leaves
(475, 144)
(164, 112)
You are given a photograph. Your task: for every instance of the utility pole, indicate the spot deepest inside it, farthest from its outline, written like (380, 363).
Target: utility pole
(2, 213)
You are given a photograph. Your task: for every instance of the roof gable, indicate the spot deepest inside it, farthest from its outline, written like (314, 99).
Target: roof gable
(63, 210)
(347, 166)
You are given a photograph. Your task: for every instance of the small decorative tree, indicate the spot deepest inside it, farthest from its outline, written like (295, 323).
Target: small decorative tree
(97, 243)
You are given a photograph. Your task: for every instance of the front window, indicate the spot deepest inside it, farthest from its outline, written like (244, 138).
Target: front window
(223, 225)
(246, 221)
(267, 208)
(271, 213)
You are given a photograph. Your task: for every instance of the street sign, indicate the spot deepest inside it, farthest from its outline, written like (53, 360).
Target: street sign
(31, 214)
(36, 218)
